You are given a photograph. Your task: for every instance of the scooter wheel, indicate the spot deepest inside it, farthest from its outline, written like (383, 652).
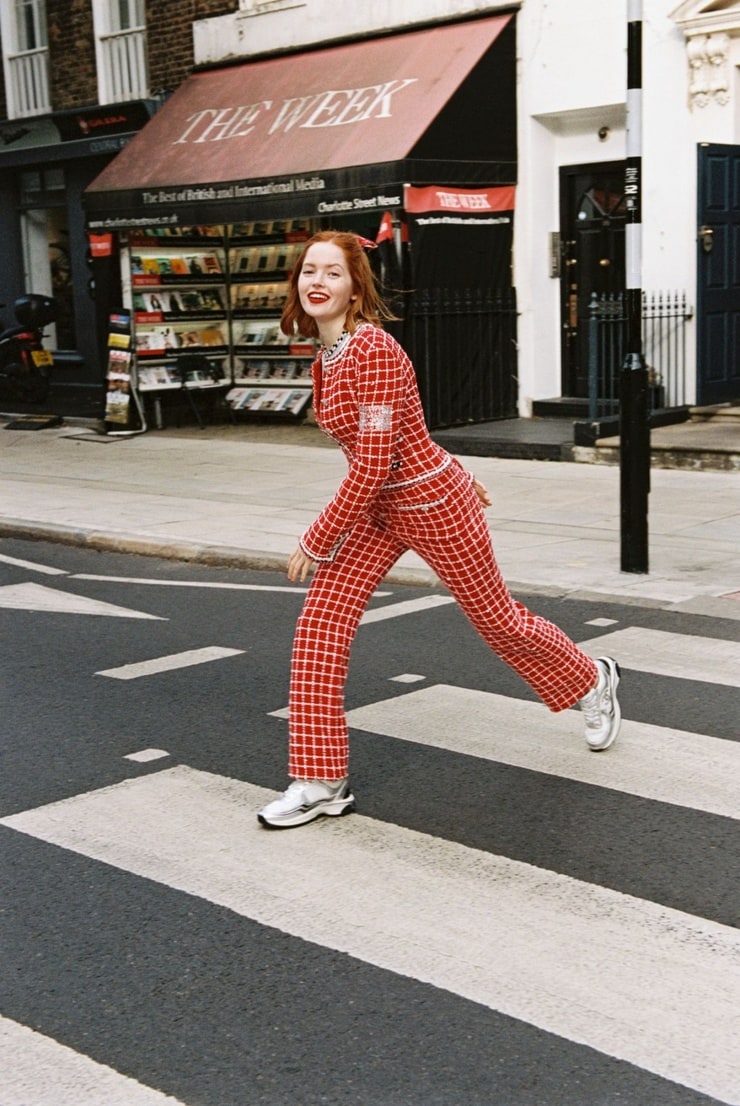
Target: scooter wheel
(27, 385)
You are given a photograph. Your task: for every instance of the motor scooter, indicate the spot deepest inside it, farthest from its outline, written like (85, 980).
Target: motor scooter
(24, 363)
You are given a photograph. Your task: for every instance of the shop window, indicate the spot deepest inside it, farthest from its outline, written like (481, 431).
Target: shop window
(46, 251)
(120, 50)
(25, 57)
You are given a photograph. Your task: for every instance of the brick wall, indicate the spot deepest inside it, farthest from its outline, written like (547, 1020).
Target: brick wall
(72, 73)
(170, 37)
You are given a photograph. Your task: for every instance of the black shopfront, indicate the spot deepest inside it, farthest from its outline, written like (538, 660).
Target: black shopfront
(46, 163)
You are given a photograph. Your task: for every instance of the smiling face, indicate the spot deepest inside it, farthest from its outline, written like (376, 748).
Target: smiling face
(325, 288)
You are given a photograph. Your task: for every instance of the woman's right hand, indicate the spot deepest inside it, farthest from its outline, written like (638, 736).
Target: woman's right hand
(299, 566)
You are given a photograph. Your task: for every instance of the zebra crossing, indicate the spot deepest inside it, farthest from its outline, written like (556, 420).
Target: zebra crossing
(568, 951)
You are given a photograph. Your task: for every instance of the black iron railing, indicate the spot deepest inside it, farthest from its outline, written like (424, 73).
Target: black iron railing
(463, 345)
(664, 318)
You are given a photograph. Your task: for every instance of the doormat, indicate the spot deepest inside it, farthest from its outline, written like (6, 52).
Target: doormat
(34, 422)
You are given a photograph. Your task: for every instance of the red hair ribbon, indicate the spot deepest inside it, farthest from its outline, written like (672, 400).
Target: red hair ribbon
(366, 243)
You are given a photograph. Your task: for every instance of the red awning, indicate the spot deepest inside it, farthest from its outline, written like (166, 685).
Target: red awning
(362, 104)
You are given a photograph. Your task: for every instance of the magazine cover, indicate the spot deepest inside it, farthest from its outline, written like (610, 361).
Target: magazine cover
(255, 370)
(156, 376)
(281, 370)
(118, 387)
(294, 402)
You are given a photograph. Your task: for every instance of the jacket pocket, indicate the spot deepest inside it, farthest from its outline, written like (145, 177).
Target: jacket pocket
(421, 505)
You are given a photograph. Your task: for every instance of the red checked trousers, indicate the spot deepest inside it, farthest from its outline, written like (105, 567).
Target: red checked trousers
(442, 520)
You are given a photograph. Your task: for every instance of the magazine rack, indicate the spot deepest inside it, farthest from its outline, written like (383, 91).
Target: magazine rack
(213, 295)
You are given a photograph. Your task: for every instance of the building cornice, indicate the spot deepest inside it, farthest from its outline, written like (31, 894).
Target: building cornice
(709, 17)
(709, 28)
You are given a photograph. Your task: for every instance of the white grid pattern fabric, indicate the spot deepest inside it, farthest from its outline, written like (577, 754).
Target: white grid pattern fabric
(367, 399)
(442, 520)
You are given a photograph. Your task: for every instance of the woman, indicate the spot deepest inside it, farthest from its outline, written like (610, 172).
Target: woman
(401, 492)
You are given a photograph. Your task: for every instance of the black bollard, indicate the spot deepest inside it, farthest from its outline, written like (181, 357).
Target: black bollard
(634, 470)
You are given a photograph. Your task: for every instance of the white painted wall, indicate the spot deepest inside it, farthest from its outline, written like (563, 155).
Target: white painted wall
(263, 26)
(572, 69)
(572, 82)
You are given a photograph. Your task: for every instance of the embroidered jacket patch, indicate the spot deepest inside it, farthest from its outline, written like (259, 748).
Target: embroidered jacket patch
(376, 417)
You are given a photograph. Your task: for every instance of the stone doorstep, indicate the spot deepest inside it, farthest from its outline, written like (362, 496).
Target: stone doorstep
(606, 452)
(726, 413)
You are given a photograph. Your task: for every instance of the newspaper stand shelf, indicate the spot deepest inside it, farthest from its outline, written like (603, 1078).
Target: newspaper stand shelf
(206, 305)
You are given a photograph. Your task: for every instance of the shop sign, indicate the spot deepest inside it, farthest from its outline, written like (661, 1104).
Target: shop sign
(460, 205)
(101, 245)
(96, 122)
(357, 203)
(329, 108)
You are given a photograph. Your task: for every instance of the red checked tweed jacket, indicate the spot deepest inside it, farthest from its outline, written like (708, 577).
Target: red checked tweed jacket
(366, 398)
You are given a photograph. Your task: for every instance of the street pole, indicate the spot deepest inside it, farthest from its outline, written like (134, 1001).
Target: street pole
(634, 427)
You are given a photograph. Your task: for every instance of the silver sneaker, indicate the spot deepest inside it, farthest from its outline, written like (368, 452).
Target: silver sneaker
(600, 707)
(308, 799)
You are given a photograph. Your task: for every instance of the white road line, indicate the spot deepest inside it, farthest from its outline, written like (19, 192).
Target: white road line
(686, 656)
(37, 1071)
(37, 597)
(636, 980)
(670, 766)
(408, 606)
(223, 585)
(144, 756)
(47, 569)
(169, 663)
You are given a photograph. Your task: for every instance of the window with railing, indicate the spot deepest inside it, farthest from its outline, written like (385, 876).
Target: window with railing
(25, 57)
(120, 50)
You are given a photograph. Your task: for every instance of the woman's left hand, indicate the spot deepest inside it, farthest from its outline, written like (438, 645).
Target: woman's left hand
(482, 492)
(299, 566)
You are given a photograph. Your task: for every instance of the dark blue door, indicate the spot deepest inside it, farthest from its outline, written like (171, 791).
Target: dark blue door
(718, 275)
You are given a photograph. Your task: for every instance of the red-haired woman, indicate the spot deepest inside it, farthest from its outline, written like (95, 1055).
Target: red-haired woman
(401, 492)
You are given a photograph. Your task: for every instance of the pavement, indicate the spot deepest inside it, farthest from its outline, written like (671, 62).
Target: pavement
(242, 494)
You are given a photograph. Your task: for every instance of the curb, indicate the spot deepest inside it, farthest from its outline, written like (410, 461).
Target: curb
(225, 556)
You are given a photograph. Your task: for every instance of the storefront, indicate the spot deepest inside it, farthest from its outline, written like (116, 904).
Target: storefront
(206, 209)
(45, 165)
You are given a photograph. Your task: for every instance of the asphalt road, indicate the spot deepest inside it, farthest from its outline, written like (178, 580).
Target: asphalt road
(179, 953)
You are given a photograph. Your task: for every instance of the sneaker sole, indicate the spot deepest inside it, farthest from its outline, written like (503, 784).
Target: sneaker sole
(614, 673)
(333, 809)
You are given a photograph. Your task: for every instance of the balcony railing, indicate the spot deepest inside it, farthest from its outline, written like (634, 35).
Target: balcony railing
(124, 74)
(29, 83)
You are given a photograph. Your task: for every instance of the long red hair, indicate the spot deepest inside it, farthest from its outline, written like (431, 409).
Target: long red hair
(366, 307)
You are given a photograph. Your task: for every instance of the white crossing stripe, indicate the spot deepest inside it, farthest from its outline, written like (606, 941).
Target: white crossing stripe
(685, 656)
(37, 1071)
(37, 597)
(169, 663)
(642, 982)
(224, 585)
(45, 569)
(144, 756)
(671, 766)
(407, 606)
